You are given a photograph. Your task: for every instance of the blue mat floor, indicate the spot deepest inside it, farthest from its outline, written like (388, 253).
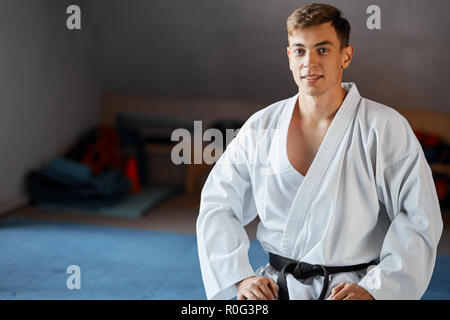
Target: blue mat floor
(117, 263)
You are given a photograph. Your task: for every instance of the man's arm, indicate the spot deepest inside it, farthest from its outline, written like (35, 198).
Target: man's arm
(409, 249)
(227, 205)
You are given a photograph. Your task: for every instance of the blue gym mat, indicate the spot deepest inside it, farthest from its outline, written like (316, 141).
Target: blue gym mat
(117, 263)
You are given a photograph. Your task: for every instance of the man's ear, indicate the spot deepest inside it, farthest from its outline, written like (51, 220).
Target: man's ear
(347, 56)
(288, 52)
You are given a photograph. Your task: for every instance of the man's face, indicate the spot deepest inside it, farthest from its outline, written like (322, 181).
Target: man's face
(316, 59)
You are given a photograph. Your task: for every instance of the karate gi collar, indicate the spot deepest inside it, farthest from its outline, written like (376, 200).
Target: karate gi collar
(295, 232)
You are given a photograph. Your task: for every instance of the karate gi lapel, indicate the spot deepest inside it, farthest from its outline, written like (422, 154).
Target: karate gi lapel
(295, 229)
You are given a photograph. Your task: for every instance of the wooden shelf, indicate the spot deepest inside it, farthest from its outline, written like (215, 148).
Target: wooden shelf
(194, 172)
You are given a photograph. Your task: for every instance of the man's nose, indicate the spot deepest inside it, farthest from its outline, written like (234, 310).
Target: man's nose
(310, 61)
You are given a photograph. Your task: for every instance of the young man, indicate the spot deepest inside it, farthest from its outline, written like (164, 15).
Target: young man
(346, 199)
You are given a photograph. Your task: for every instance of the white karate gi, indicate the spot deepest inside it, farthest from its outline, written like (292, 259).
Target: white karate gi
(369, 194)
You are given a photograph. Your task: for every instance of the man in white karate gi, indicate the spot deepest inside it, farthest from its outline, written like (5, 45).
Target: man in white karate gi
(346, 200)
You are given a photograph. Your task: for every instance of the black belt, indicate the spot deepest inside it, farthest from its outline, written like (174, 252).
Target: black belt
(303, 270)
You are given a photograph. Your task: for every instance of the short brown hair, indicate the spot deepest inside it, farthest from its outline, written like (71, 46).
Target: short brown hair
(318, 13)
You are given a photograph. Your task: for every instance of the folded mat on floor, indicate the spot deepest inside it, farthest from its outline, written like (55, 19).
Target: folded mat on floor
(133, 206)
(65, 185)
(117, 263)
(67, 182)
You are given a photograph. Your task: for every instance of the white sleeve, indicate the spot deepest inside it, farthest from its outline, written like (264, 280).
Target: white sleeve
(408, 253)
(227, 205)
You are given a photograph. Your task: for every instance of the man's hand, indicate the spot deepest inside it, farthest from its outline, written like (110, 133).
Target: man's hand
(349, 291)
(257, 288)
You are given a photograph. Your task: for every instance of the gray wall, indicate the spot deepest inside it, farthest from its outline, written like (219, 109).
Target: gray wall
(47, 92)
(236, 48)
(51, 78)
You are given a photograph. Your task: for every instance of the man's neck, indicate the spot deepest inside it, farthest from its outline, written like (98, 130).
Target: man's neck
(315, 110)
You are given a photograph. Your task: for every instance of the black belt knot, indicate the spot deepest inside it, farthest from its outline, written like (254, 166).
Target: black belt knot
(303, 270)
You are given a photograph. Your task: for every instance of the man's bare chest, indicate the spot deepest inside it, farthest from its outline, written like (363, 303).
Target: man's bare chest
(302, 145)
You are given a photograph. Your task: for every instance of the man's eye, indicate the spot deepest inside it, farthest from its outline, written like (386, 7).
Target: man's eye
(299, 51)
(323, 50)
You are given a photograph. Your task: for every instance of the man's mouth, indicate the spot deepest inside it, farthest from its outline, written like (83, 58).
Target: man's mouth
(312, 76)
